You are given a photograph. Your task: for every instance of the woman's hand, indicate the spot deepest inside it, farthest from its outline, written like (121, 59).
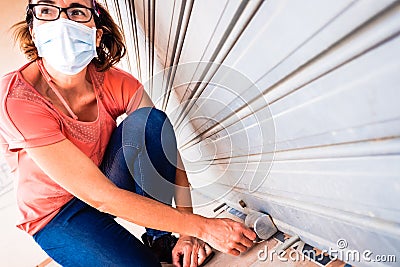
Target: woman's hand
(227, 236)
(192, 250)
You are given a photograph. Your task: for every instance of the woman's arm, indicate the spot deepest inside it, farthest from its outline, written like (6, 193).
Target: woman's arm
(75, 172)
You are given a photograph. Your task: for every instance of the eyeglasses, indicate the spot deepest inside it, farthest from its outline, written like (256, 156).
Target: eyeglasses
(50, 12)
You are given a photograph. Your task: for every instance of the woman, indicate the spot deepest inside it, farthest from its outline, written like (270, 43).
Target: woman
(76, 170)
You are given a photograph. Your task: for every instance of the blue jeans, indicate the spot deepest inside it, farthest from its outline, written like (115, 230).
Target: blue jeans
(140, 156)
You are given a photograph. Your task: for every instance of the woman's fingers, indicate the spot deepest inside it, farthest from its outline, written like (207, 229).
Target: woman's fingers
(234, 252)
(194, 256)
(187, 253)
(176, 256)
(243, 236)
(246, 241)
(230, 236)
(239, 247)
(190, 252)
(250, 234)
(207, 249)
(202, 255)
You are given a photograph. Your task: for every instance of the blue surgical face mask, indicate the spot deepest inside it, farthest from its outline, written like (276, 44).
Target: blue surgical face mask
(66, 45)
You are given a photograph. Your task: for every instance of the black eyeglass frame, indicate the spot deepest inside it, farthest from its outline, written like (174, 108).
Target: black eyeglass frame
(61, 9)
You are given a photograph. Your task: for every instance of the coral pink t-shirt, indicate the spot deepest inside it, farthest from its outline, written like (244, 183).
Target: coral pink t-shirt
(28, 120)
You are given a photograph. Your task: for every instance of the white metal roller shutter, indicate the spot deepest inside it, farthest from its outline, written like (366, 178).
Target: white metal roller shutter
(314, 138)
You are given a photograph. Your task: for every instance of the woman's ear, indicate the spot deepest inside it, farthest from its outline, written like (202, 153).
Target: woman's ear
(99, 34)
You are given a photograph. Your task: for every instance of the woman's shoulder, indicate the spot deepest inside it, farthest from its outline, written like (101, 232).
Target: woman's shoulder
(26, 74)
(118, 81)
(7, 82)
(115, 74)
(27, 66)
(20, 83)
(13, 87)
(119, 88)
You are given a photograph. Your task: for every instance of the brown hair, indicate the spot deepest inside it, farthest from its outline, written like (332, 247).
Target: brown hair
(111, 50)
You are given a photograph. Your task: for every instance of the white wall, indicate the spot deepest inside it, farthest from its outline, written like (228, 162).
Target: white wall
(10, 56)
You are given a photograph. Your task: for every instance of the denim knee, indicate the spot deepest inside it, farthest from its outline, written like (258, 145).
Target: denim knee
(147, 123)
(142, 115)
(149, 132)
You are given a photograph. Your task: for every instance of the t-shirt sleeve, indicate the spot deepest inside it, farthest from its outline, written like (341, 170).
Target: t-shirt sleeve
(124, 90)
(35, 123)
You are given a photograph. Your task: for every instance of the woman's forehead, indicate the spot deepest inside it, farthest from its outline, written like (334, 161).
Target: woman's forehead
(64, 3)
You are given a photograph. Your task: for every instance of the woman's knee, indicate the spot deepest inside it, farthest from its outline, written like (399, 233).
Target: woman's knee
(146, 113)
(148, 123)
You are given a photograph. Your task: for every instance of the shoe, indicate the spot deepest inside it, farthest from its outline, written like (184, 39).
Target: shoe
(161, 247)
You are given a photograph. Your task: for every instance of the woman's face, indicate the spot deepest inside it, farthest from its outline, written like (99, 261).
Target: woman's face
(66, 4)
